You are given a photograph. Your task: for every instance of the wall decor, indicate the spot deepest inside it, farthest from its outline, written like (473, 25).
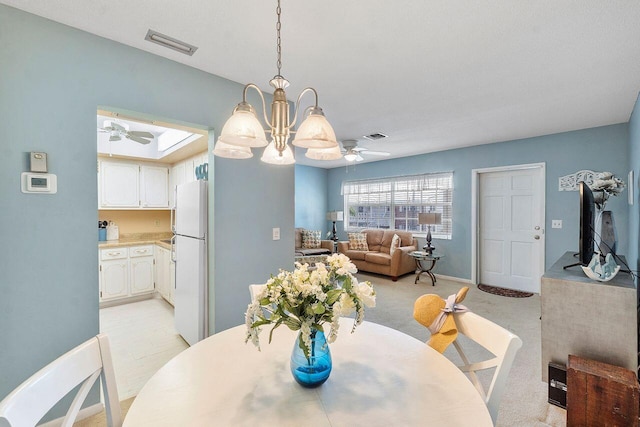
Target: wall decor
(570, 182)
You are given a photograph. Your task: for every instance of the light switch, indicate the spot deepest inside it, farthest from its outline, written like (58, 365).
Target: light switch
(556, 223)
(276, 233)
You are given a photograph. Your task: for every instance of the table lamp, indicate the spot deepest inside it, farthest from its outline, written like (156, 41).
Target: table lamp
(431, 218)
(335, 216)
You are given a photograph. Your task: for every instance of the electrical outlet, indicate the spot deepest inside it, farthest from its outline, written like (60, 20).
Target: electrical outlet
(556, 223)
(276, 233)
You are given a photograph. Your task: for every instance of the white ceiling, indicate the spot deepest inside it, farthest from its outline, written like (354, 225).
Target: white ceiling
(433, 75)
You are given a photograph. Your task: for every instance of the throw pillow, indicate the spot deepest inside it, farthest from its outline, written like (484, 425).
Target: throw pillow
(358, 242)
(310, 239)
(395, 244)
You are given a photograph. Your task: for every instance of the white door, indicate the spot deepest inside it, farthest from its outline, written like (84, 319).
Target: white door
(190, 294)
(154, 187)
(511, 228)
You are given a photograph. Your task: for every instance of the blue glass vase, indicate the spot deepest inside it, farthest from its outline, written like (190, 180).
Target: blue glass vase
(312, 371)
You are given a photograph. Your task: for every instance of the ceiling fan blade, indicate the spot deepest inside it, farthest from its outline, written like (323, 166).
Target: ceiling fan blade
(116, 126)
(103, 130)
(138, 139)
(359, 158)
(114, 138)
(141, 134)
(376, 153)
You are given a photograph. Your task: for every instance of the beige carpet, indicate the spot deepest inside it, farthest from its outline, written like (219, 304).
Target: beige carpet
(525, 401)
(100, 420)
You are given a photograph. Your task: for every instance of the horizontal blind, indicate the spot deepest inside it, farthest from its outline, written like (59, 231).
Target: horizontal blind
(394, 203)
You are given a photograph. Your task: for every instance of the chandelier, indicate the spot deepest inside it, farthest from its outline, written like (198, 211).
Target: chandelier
(243, 130)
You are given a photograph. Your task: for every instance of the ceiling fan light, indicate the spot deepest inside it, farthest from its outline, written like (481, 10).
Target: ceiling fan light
(331, 153)
(350, 157)
(272, 156)
(243, 129)
(231, 151)
(315, 132)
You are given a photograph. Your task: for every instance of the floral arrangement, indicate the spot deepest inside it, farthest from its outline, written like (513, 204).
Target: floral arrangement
(306, 299)
(607, 184)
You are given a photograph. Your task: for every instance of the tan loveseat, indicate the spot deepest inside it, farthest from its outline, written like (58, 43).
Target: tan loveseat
(377, 259)
(326, 246)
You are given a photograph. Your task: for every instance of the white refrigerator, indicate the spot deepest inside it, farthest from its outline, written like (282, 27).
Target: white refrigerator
(191, 291)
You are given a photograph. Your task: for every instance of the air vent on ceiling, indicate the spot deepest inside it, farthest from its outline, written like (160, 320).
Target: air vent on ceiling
(375, 136)
(170, 42)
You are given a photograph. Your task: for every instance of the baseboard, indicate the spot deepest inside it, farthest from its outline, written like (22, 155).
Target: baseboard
(82, 414)
(454, 279)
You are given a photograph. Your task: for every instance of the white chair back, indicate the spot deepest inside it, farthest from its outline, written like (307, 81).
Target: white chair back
(255, 290)
(28, 403)
(503, 344)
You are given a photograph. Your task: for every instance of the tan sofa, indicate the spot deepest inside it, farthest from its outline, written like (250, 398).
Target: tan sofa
(377, 259)
(326, 246)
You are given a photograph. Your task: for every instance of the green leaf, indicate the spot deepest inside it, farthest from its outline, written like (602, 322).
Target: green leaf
(273, 329)
(260, 323)
(293, 324)
(318, 308)
(333, 296)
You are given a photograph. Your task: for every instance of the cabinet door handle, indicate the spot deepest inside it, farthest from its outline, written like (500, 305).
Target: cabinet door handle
(114, 253)
(141, 251)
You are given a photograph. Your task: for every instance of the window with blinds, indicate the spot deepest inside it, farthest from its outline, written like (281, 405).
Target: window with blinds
(394, 203)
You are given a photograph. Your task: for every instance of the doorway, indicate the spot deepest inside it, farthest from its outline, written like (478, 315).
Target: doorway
(508, 232)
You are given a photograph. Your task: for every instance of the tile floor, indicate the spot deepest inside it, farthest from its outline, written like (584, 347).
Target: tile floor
(142, 338)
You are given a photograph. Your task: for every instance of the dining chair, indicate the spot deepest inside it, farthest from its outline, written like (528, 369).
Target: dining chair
(255, 290)
(503, 344)
(81, 366)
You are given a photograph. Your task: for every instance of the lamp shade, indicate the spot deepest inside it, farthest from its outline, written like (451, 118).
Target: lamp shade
(430, 218)
(231, 151)
(331, 153)
(335, 216)
(315, 132)
(243, 129)
(273, 156)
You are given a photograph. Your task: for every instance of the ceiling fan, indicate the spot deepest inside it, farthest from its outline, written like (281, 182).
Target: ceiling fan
(118, 130)
(354, 153)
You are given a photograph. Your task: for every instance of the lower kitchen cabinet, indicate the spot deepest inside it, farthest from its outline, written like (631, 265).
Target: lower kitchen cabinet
(165, 273)
(126, 272)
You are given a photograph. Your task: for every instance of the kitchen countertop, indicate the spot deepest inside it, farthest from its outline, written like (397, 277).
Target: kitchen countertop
(135, 239)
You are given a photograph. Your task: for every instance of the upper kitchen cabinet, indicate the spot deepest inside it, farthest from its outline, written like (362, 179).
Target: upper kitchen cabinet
(154, 187)
(129, 185)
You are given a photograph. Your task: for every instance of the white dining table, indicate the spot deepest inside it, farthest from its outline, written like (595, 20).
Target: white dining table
(380, 377)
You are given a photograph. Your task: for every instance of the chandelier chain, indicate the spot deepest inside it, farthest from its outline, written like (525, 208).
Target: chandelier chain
(279, 49)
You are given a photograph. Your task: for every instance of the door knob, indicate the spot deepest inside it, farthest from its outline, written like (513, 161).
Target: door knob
(536, 237)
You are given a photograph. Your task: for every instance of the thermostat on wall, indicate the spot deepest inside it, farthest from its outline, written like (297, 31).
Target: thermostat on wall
(43, 183)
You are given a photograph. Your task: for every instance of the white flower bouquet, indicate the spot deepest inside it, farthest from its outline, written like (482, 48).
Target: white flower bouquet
(306, 299)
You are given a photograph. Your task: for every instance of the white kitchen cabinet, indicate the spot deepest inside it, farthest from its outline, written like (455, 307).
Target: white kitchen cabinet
(126, 272)
(114, 279)
(119, 185)
(113, 276)
(163, 272)
(141, 267)
(154, 187)
(129, 185)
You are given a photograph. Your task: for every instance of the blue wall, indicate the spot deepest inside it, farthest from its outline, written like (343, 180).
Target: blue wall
(53, 78)
(634, 210)
(598, 149)
(311, 199)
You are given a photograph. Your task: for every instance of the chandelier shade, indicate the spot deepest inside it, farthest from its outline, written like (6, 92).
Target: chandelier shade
(243, 128)
(231, 151)
(315, 132)
(272, 156)
(331, 153)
